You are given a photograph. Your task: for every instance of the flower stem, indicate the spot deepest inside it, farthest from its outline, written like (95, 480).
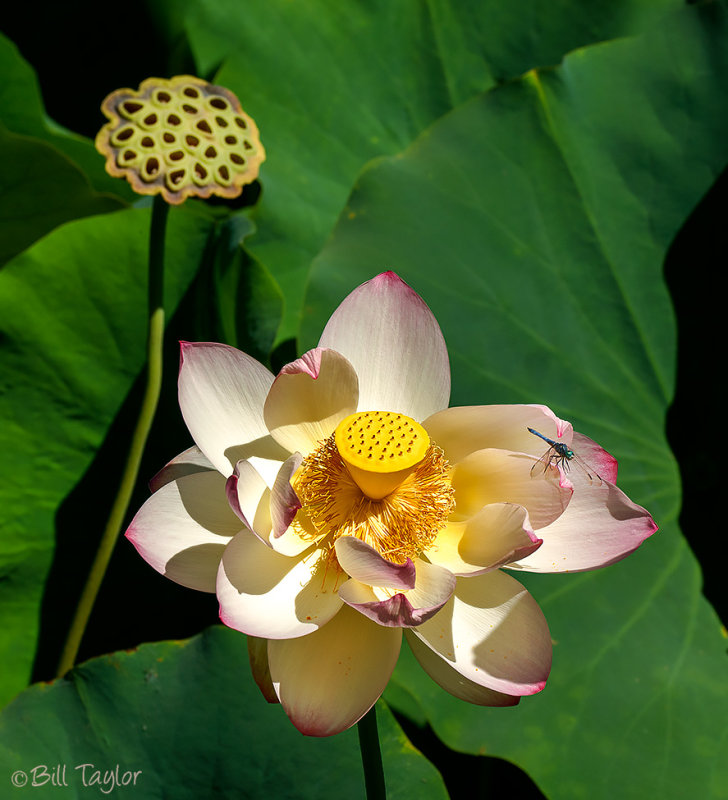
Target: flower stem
(155, 335)
(371, 756)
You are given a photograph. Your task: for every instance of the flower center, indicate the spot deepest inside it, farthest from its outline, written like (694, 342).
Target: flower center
(380, 449)
(378, 478)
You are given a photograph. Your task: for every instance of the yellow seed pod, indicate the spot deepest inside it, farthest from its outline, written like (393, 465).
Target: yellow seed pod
(180, 137)
(380, 449)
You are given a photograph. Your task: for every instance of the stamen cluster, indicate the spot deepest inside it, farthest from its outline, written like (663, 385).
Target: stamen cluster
(399, 526)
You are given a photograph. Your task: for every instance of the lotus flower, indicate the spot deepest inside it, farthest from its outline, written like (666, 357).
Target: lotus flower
(341, 503)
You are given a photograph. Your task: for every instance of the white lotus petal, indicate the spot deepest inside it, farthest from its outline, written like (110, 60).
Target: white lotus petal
(221, 394)
(363, 562)
(493, 633)
(390, 336)
(249, 498)
(498, 534)
(600, 526)
(187, 463)
(266, 594)
(328, 680)
(452, 681)
(462, 430)
(184, 527)
(309, 398)
(497, 476)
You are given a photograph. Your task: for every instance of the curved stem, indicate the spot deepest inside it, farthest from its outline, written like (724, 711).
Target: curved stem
(371, 756)
(141, 432)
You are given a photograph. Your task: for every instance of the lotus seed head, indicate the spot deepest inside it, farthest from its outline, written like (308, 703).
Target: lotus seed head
(180, 137)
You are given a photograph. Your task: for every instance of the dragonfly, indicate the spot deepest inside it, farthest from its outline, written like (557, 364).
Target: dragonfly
(559, 454)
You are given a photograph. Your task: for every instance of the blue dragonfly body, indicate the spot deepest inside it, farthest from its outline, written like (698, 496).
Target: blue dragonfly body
(560, 454)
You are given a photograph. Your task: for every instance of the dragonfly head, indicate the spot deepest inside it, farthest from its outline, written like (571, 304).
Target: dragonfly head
(562, 450)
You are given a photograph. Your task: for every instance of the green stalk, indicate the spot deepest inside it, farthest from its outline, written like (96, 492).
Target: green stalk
(155, 336)
(371, 756)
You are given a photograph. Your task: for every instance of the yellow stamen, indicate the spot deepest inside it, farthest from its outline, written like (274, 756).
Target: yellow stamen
(399, 525)
(380, 449)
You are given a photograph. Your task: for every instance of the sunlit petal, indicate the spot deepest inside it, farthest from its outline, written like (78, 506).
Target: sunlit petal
(404, 609)
(462, 430)
(600, 526)
(362, 562)
(498, 534)
(221, 394)
(249, 498)
(309, 398)
(498, 476)
(394, 343)
(266, 594)
(493, 633)
(187, 463)
(328, 680)
(184, 527)
(453, 681)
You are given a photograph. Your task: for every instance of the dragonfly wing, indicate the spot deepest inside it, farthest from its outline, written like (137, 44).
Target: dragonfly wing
(547, 463)
(542, 464)
(591, 475)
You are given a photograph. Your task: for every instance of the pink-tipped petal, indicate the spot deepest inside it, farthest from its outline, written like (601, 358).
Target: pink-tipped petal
(328, 680)
(596, 458)
(309, 398)
(285, 506)
(263, 593)
(221, 394)
(298, 537)
(284, 502)
(493, 633)
(249, 498)
(395, 611)
(452, 681)
(433, 588)
(362, 562)
(462, 430)
(183, 529)
(600, 526)
(498, 476)
(498, 534)
(394, 343)
(187, 463)
(258, 657)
